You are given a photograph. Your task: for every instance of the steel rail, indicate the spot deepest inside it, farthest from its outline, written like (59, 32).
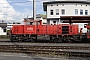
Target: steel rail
(46, 50)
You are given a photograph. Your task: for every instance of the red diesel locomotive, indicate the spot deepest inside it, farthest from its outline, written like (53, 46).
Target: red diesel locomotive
(32, 29)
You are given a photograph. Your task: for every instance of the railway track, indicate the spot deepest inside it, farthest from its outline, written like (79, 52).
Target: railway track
(78, 51)
(43, 41)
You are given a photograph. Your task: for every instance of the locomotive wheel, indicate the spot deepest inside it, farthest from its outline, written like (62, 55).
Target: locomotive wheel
(14, 39)
(11, 39)
(51, 39)
(69, 41)
(55, 40)
(34, 40)
(60, 40)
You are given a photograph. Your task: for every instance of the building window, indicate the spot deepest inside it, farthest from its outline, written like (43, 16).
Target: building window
(54, 21)
(63, 11)
(81, 12)
(51, 12)
(57, 11)
(76, 11)
(76, 4)
(51, 5)
(62, 4)
(86, 12)
(31, 23)
(27, 23)
(4, 30)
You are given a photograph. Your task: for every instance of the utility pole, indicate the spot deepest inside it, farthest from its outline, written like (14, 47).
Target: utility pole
(34, 9)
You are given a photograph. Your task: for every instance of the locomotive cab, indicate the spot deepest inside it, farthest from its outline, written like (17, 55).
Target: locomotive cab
(26, 32)
(31, 29)
(32, 22)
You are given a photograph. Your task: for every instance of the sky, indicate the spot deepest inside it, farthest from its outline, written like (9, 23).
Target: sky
(16, 10)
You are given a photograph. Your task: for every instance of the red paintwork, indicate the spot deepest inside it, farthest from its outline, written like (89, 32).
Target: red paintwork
(44, 29)
(29, 29)
(88, 27)
(18, 29)
(88, 37)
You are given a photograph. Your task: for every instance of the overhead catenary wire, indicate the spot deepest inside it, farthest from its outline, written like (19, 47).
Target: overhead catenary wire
(18, 2)
(13, 2)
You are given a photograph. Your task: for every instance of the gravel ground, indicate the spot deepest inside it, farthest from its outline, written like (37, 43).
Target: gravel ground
(4, 39)
(20, 56)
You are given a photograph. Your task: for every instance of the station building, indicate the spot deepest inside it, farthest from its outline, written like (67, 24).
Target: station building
(57, 9)
(3, 29)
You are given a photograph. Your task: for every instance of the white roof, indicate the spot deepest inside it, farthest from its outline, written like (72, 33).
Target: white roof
(71, 0)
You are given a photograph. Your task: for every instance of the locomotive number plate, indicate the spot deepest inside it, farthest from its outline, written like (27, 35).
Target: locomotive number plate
(30, 28)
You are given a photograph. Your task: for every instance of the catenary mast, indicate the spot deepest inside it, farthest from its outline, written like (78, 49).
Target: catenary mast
(34, 9)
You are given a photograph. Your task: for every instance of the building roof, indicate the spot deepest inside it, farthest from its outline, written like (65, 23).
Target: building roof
(3, 25)
(37, 16)
(41, 15)
(75, 19)
(54, 2)
(32, 20)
